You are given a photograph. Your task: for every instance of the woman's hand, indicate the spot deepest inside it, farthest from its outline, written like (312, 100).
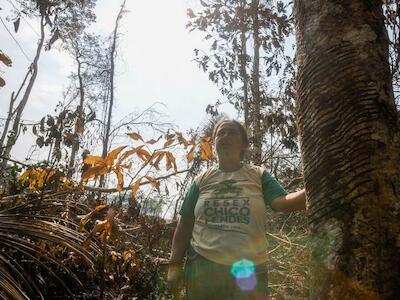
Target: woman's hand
(180, 243)
(174, 278)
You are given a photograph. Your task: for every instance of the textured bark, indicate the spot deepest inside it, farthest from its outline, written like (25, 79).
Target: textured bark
(350, 144)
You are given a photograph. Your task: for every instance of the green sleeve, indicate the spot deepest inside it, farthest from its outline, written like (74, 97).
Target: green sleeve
(271, 188)
(187, 209)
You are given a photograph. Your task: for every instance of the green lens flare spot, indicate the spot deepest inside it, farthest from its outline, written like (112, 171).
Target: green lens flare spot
(243, 269)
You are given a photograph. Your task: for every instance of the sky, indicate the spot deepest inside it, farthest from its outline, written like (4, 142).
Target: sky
(155, 64)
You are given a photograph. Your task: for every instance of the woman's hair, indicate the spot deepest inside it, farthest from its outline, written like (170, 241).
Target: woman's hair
(242, 131)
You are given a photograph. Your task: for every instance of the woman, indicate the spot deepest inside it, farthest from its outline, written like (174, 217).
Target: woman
(222, 224)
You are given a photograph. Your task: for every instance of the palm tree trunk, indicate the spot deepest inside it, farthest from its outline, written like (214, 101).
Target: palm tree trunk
(350, 145)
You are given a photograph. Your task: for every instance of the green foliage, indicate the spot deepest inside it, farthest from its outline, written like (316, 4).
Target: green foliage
(57, 130)
(229, 26)
(65, 17)
(222, 22)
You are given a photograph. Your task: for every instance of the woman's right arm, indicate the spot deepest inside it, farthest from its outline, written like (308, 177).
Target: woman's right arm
(180, 243)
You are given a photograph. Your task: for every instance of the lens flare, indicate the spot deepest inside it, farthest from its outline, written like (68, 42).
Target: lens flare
(247, 284)
(243, 268)
(244, 273)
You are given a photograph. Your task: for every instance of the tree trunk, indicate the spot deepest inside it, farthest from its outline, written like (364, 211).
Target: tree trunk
(350, 145)
(80, 122)
(21, 106)
(11, 111)
(7, 123)
(111, 102)
(243, 62)
(255, 89)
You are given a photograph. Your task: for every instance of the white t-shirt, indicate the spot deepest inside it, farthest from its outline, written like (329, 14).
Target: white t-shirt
(229, 209)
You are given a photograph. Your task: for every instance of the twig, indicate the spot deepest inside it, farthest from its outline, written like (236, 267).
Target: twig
(285, 241)
(14, 161)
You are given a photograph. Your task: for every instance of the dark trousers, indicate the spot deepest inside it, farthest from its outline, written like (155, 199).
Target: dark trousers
(207, 280)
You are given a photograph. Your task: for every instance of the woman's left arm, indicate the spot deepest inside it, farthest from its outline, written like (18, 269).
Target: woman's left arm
(290, 202)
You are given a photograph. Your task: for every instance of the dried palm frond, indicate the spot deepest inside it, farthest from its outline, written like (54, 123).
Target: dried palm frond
(24, 229)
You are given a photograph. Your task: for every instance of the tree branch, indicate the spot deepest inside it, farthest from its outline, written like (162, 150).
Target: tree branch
(14, 161)
(113, 190)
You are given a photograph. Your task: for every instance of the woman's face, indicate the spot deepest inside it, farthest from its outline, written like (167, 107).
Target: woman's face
(228, 140)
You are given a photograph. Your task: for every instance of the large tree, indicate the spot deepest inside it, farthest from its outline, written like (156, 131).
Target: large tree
(349, 132)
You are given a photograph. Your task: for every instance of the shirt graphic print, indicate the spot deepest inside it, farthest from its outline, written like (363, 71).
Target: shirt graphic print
(228, 207)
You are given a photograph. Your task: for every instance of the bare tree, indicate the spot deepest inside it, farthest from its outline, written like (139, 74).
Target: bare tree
(17, 113)
(110, 101)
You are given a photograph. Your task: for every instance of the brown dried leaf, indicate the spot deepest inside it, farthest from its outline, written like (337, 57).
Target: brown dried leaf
(206, 151)
(135, 188)
(182, 140)
(87, 217)
(95, 172)
(113, 155)
(153, 141)
(127, 255)
(120, 178)
(98, 228)
(169, 142)
(94, 160)
(5, 59)
(170, 161)
(129, 153)
(169, 136)
(86, 243)
(144, 155)
(79, 127)
(158, 156)
(154, 183)
(25, 175)
(190, 155)
(135, 136)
